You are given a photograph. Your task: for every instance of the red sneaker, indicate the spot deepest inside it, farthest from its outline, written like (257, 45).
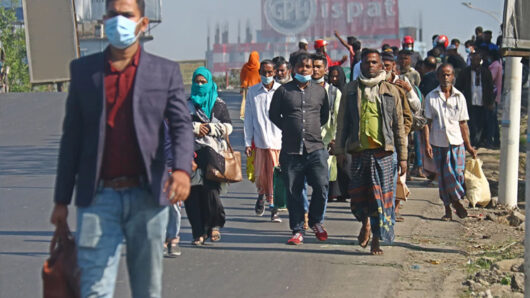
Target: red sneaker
(297, 239)
(321, 234)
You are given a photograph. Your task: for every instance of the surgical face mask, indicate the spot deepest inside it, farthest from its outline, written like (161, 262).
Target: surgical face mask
(266, 80)
(121, 32)
(468, 50)
(408, 48)
(301, 78)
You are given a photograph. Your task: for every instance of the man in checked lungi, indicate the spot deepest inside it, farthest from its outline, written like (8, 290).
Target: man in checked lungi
(447, 139)
(371, 129)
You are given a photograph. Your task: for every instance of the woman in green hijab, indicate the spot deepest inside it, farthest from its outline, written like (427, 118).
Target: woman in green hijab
(211, 123)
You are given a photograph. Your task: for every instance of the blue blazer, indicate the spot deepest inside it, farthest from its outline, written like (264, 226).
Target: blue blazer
(158, 93)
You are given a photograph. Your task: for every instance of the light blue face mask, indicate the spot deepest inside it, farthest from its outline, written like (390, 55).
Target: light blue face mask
(302, 79)
(121, 32)
(266, 80)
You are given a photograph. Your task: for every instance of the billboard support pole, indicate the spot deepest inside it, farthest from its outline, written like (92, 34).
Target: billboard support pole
(511, 122)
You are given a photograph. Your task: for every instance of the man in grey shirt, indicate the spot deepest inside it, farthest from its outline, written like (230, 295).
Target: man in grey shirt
(299, 108)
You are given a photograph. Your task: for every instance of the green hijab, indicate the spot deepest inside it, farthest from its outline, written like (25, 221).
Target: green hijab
(204, 96)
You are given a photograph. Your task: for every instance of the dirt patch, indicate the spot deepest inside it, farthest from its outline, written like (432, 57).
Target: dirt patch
(495, 253)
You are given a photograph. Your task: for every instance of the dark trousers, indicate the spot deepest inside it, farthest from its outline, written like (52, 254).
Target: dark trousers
(477, 124)
(296, 169)
(205, 209)
(492, 134)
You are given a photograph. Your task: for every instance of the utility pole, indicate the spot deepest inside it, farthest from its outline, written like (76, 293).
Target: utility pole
(527, 210)
(511, 122)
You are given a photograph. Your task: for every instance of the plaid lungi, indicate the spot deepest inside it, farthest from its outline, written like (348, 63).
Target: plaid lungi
(450, 165)
(371, 191)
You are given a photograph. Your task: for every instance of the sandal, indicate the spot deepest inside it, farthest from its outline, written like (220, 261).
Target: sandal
(447, 218)
(198, 241)
(215, 235)
(362, 236)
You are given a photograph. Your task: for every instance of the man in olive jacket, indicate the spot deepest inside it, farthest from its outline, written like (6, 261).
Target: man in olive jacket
(371, 129)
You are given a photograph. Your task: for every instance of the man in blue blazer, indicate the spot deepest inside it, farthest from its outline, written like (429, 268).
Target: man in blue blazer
(112, 151)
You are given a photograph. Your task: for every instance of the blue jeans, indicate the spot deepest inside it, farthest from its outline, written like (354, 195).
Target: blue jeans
(114, 216)
(297, 168)
(173, 224)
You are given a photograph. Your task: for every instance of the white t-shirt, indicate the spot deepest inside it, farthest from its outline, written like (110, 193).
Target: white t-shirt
(446, 116)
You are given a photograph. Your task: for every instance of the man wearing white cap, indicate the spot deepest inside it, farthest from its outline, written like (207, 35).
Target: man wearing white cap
(302, 49)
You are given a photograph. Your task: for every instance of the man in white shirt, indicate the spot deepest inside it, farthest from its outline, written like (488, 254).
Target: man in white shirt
(265, 135)
(447, 138)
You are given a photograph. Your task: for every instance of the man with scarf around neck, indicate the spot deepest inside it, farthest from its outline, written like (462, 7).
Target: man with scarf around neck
(370, 128)
(300, 108)
(329, 130)
(266, 137)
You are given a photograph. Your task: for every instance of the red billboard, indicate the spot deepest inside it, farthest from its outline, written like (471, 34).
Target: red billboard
(365, 19)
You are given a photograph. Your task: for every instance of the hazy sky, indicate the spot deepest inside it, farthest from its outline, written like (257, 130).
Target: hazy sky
(182, 33)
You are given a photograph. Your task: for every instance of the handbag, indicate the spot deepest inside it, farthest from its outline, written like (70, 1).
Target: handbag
(60, 274)
(280, 191)
(232, 166)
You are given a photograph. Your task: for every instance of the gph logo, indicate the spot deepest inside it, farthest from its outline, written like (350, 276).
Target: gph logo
(290, 17)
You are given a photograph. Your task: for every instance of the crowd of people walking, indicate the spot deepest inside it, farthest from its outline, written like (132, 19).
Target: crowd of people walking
(358, 141)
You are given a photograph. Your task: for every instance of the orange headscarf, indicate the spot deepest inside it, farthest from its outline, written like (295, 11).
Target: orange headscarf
(250, 72)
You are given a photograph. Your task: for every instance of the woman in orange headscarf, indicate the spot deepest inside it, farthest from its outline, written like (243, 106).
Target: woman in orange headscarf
(249, 77)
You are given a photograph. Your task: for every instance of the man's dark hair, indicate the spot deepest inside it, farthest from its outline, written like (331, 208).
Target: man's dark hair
(265, 62)
(434, 37)
(455, 41)
(356, 45)
(488, 32)
(302, 57)
(367, 52)
(351, 40)
(140, 3)
(444, 65)
(478, 29)
(387, 56)
(279, 61)
(385, 47)
(428, 62)
(405, 52)
(320, 57)
(469, 43)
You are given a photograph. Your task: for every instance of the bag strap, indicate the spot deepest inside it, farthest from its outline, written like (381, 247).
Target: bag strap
(228, 143)
(62, 232)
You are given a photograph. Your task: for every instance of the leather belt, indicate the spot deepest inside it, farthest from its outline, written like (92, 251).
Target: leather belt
(122, 182)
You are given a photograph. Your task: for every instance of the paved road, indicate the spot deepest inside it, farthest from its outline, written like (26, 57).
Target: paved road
(251, 261)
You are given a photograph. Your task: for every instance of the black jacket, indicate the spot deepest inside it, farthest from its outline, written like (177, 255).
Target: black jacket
(300, 115)
(463, 83)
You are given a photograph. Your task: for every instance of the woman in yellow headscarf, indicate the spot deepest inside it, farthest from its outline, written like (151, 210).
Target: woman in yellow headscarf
(249, 77)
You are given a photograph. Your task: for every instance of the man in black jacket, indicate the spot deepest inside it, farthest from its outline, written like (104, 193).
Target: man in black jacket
(300, 108)
(429, 81)
(476, 83)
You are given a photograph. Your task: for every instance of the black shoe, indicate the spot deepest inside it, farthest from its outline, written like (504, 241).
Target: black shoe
(274, 216)
(260, 206)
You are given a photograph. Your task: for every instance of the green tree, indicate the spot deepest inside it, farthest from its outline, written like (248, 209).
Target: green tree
(13, 41)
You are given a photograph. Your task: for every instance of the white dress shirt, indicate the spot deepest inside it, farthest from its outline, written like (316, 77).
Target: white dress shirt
(413, 99)
(476, 91)
(258, 127)
(446, 115)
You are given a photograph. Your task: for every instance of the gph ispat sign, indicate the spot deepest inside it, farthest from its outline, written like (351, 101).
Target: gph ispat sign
(363, 18)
